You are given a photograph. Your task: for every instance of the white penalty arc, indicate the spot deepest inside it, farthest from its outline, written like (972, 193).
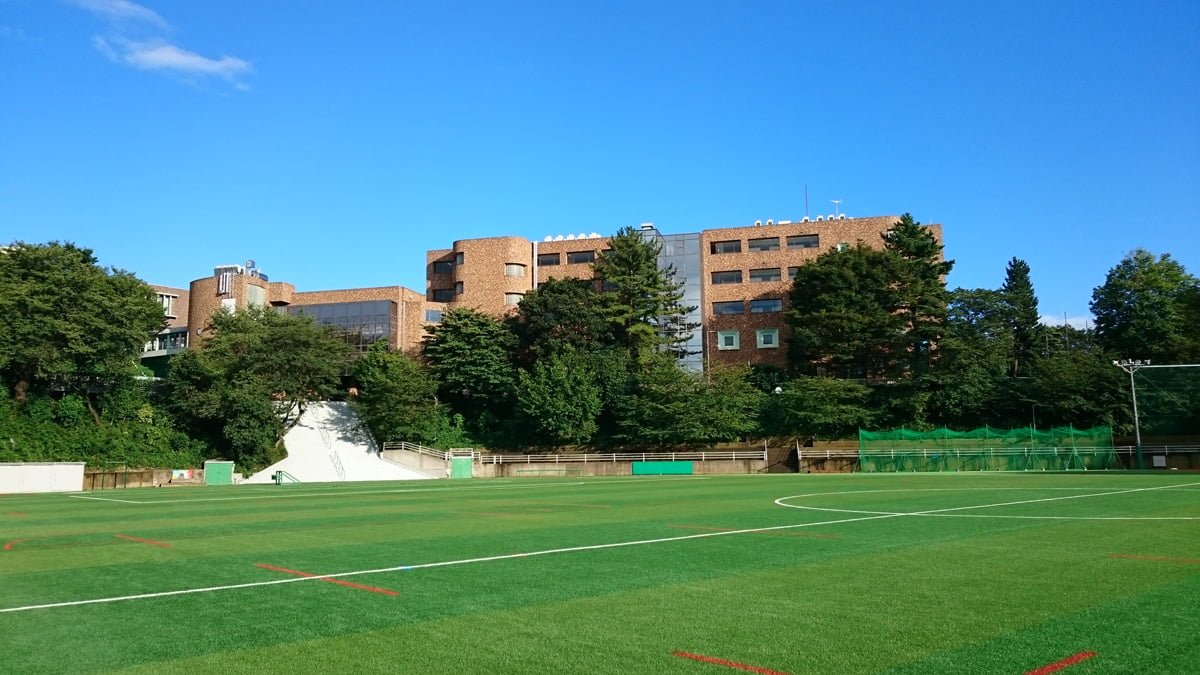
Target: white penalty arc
(948, 512)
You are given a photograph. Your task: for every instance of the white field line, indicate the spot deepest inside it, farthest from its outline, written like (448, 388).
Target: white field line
(105, 499)
(445, 563)
(572, 549)
(942, 512)
(509, 485)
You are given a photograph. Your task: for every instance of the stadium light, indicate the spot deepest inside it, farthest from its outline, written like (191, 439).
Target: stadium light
(1131, 366)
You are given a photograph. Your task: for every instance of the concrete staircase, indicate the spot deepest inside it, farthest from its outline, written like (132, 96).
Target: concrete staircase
(329, 446)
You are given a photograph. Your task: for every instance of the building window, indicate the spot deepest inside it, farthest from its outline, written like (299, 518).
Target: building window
(764, 306)
(514, 270)
(767, 338)
(734, 246)
(458, 288)
(168, 304)
(722, 308)
(766, 274)
(576, 257)
(458, 258)
(443, 294)
(792, 272)
(443, 267)
(549, 259)
(730, 277)
(764, 244)
(804, 241)
(512, 299)
(843, 247)
(728, 339)
(433, 315)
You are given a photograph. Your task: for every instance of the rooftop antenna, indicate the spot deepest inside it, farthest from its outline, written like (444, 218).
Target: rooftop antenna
(836, 203)
(806, 200)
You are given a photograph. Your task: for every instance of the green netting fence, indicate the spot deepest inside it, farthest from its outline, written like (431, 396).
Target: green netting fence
(987, 449)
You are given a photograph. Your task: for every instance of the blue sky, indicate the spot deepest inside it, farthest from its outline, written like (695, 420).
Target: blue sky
(334, 142)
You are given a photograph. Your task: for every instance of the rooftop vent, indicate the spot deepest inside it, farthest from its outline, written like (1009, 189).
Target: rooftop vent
(770, 222)
(548, 238)
(785, 222)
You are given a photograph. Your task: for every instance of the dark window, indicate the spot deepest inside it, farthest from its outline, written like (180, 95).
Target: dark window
(549, 259)
(721, 308)
(792, 272)
(443, 294)
(458, 288)
(458, 258)
(734, 246)
(766, 274)
(763, 306)
(575, 257)
(443, 267)
(764, 244)
(433, 315)
(730, 277)
(804, 241)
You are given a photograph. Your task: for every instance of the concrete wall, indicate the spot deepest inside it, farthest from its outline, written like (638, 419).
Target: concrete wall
(624, 468)
(28, 477)
(432, 466)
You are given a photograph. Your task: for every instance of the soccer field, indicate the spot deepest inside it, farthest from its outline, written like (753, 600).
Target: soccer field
(847, 573)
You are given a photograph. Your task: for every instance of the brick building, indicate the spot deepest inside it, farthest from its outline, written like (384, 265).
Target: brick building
(738, 278)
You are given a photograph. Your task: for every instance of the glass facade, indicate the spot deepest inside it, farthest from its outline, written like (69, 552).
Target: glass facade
(682, 253)
(361, 324)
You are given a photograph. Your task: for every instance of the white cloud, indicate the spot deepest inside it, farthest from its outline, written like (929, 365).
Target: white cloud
(151, 52)
(162, 55)
(123, 11)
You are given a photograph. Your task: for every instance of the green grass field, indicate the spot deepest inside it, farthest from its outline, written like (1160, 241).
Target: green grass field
(918, 573)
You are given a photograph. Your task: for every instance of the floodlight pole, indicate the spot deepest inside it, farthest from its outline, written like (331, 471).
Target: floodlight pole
(1131, 367)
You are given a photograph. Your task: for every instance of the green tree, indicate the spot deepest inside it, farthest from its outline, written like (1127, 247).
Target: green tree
(470, 354)
(1145, 308)
(974, 362)
(921, 289)
(560, 399)
(820, 407)
(666, 405)
(251, 380)
(1022, 316)
(844, 314)
(642, 302)
(67, 318)
(397, 399)
(561, 315)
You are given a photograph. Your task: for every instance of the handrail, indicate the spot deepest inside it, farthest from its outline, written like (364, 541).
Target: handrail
(702, 456)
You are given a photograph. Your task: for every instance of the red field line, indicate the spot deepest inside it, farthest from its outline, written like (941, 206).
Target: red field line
(730, 529)
(1146, 557)
(731, 664)
(1059, 665)
(17, 514)
(332, 581)
(144, 541)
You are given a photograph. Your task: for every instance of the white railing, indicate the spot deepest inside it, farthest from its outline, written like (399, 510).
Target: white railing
(703, 456)
(419, 449)
(337, 466)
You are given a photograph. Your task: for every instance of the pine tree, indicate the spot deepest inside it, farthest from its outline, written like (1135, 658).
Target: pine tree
(642, 301)
(1021, 309)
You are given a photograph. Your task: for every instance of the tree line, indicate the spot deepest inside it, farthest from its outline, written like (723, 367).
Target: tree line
(877, 341)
